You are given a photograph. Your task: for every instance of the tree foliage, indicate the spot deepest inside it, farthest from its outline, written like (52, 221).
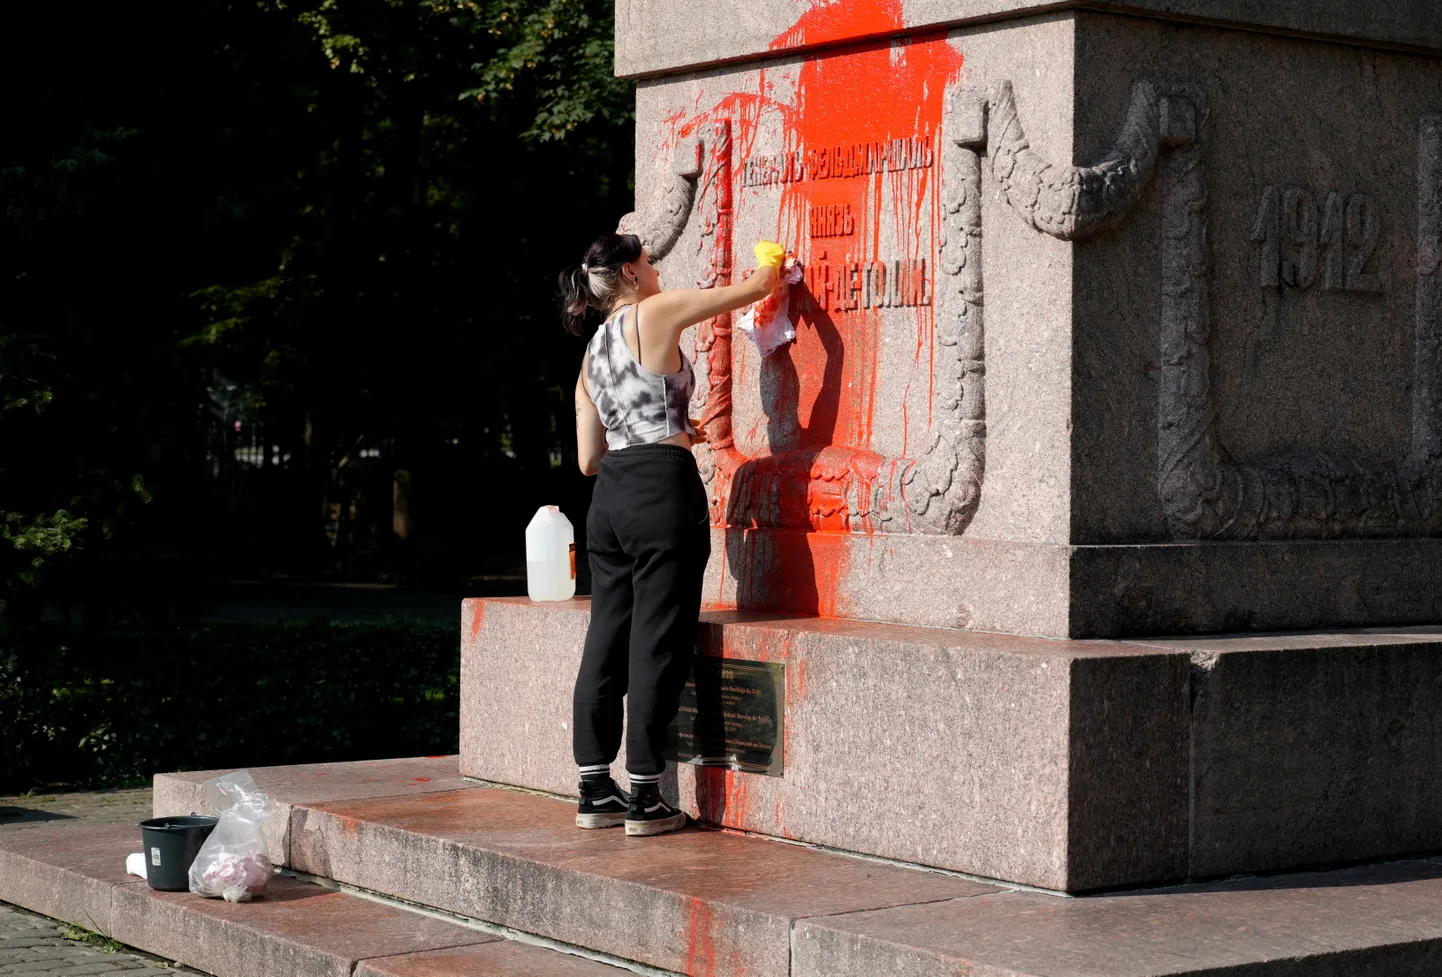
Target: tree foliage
(109, 709)
(337, 224)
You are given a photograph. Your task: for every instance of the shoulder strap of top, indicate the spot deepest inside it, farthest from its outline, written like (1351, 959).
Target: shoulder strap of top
(636, 318)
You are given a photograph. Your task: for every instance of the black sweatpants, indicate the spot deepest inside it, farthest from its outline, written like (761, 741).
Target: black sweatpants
(648, 537)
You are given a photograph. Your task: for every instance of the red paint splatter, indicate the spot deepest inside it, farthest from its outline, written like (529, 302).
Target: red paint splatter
(477, 607)
(867, 94)
(723, 797)
(700, 945)
(422, 780)
(828, 22)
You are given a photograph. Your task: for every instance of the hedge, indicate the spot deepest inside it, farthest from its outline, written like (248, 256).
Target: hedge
(108, 709)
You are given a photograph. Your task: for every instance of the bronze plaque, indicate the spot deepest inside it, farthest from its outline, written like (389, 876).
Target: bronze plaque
(731, 716)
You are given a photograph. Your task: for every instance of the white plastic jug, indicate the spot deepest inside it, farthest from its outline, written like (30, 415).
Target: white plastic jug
(550, 555)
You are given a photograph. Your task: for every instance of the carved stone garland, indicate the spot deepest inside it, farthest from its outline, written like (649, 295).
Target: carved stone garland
(660, 225)
(942, 488)
(1072, 202)
(937, 492)
(1206, 494)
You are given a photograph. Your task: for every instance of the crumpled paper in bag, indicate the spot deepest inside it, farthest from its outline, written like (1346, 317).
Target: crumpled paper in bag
(768, 323)
(234, 864)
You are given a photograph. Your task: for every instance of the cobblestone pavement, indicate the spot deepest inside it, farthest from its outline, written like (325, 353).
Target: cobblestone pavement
(35, 946)
(95, 807)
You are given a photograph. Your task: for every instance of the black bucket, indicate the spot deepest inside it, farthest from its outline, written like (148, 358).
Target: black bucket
(171, 844)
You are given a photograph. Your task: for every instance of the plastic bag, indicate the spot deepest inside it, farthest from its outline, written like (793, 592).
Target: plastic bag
(768, 322)
(234, 863)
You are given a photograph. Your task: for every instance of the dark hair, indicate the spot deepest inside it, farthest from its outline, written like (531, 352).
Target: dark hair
(593, 283)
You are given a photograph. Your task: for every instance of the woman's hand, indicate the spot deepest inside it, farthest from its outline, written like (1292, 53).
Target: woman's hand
(769, 254)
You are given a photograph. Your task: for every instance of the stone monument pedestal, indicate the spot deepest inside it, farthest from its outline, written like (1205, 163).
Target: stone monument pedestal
(1112, 325)
(1093, 517)
(1068, 765)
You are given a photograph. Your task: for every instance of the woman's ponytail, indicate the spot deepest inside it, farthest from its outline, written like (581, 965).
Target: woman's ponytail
(595, 282)
(575, 299)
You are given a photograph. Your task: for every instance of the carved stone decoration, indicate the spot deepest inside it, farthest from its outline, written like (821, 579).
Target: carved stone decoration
(939, 492)
(1071, 202)
(855, 490)
(1204, 492)
(718, 455)
(660, 225)
(841, 488)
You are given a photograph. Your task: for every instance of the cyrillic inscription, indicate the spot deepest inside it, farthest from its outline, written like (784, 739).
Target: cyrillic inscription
(833, 162)
(1303, 243)
(832, 220)
(840, 286)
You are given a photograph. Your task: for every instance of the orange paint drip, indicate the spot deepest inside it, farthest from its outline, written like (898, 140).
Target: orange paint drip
(478, 615)
(860, 137)
(700, 943)
(849, 103)
(722, 797)
(830, 23)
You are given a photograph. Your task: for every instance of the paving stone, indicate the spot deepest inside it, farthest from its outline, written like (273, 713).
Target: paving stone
(1376, 921)
(18, 812)
(297, 929)
(502, 958)
(693, 902)
(76, 868)
(34, 942)
(182, 793)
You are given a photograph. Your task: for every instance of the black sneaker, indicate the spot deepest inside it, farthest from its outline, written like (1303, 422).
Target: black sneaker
(603, 804)
(649, 815)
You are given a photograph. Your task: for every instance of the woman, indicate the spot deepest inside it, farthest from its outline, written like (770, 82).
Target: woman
(648, 534)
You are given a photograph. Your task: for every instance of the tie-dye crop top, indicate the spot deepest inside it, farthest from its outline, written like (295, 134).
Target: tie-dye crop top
(636, 405)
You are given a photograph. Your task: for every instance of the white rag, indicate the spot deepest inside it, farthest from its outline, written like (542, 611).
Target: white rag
(775, 328)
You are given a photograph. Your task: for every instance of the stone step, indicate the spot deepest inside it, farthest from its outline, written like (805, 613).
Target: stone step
(1373, 921)
(1068, 765)
(717, 904)
(298, 929)
(183, 793)
(696, 902)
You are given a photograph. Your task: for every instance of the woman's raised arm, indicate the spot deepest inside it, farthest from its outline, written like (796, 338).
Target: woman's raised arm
(674, 311)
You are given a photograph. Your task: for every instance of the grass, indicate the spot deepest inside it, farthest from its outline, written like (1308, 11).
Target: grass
(80, 934)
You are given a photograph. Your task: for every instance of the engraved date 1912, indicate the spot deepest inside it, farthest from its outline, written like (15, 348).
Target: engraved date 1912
(1302, 243)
